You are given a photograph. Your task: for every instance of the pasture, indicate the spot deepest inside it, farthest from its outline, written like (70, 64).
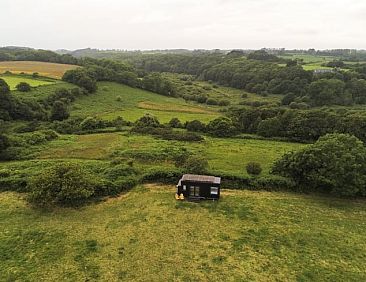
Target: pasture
(112, 100)
(14, 80)
(145, 235)
(224, 155)
(42, 68)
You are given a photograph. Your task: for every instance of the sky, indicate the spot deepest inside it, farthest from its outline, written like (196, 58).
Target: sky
(188, 24)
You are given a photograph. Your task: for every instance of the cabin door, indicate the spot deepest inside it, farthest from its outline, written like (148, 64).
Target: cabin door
(194, 191)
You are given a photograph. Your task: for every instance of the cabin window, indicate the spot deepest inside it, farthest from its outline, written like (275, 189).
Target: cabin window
(214, 190)
(197, 191)
(191, 190)
(184, 188)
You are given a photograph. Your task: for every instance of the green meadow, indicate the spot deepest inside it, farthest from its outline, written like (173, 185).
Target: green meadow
(112, 100)
(146, 235)
(14, 80)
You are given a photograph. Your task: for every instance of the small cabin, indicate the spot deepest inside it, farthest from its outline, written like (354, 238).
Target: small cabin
(198, 187)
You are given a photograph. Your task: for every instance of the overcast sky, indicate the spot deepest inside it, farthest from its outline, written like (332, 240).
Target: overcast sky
(191, 24)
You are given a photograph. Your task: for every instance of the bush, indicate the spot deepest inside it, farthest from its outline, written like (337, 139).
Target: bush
(253, 168)
(223, 103)
(23, 87)
(147, 121)
(221, 127)
(170, 176)
(62, 185)
(59, 111)
(90, 124)
(211, 101)
(195, 164)
(175, 123)
(195, 125)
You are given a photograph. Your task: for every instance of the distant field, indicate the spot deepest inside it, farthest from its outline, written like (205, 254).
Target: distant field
(226, 155)
(146, 235)
(309, 58)
(112, 100)
(44, 69)
(13, 81)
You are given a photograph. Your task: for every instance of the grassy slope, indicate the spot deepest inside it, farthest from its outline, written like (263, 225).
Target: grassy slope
(134, 103)
(13, 81)
(146, 235)
(44, 69)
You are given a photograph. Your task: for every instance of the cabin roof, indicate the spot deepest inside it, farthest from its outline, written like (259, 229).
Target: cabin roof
(201, 178)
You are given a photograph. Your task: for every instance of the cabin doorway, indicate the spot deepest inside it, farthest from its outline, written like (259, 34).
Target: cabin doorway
(194, 191)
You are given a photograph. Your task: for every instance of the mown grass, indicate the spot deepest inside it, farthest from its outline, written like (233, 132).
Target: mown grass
(44, 69)
(14, 80)
(112, 100)
(145, 235)
(224, 155)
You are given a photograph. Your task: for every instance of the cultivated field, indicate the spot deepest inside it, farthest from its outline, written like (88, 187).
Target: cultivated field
(145, 235)
(44, 69)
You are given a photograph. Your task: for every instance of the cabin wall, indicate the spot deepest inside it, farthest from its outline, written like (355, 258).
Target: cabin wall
(204, 189)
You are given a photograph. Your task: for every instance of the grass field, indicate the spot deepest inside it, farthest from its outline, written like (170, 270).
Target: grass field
(14, 80)
(224, 155)
(145, 235)
(112, 100)
(44, 69)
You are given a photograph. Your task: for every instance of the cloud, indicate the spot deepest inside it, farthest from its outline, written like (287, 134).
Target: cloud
(157, 24)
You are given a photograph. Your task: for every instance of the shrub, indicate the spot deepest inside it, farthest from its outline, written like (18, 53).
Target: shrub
(59, 111)
(35, 75)
(147, 121)
(211, 101)
(23, 87)
(253, 168)
(62, 185)
(175, 123)
(221, 127)
(224, 103)
(195, 164)
(120, 171)
(165, 175)
(195, 125)
(92, 123)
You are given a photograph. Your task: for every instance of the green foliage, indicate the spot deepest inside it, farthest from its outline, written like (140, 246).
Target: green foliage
(253, 168)
(195, 125)
(59, 111)
(175, 123)
(23, 87)
(147, 121)
(336, 163)
(81, 78)
(195, 164)
(90, 124)
(221, 127)
(62, 185)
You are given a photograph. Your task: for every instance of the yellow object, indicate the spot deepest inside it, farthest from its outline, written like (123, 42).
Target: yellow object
(181, 197)
(176, 196)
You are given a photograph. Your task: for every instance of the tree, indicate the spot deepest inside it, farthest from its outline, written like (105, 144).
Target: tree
(336, 163)
(23, 87)
(254, 168)
(221, 127)
(327, 92)
(4, 87)
(59, 111)
(270, 127)
(62, 185)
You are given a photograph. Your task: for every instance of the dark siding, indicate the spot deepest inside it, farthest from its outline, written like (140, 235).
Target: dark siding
(204, 190)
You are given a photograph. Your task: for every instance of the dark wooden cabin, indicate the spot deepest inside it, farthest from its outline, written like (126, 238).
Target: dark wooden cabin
(196, 187)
